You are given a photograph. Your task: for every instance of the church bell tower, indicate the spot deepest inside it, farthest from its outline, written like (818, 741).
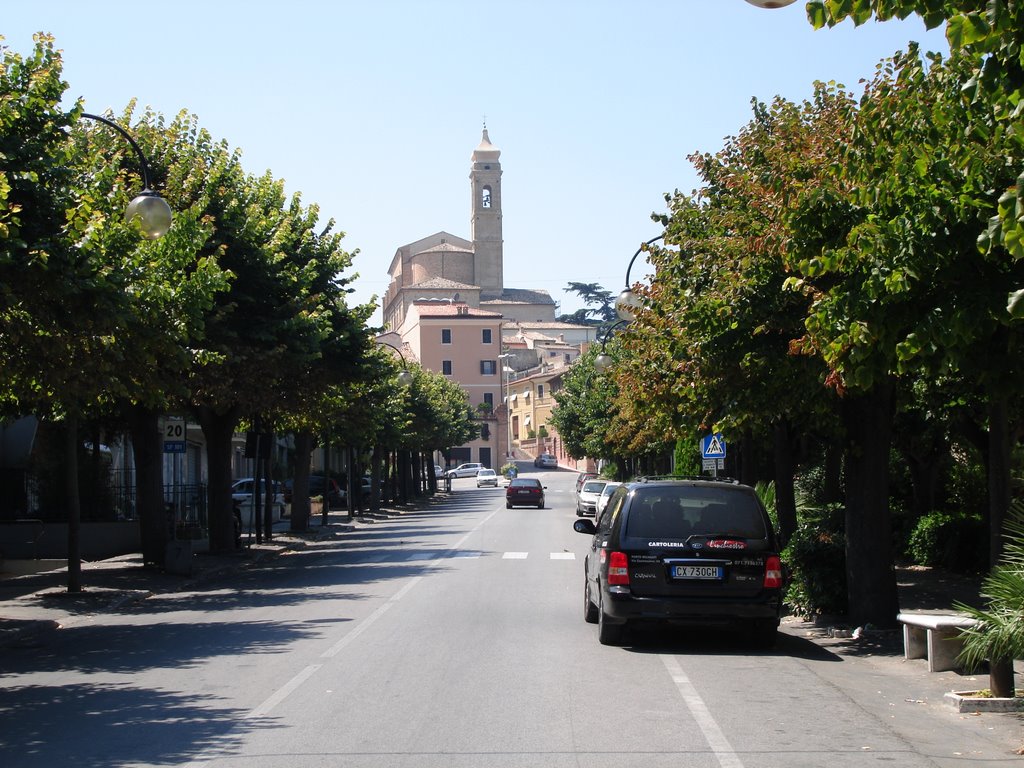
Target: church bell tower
(485, 226)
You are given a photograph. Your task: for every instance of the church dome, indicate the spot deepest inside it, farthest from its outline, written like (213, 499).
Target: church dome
(486, 152)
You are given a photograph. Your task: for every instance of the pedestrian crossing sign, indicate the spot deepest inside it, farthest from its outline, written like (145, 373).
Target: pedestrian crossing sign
(713, 446)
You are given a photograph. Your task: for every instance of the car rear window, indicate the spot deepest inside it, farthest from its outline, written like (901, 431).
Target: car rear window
(523, 482)
(593, 486)
(681, 512)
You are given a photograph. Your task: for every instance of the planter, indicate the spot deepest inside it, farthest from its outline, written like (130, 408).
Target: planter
(969, 702)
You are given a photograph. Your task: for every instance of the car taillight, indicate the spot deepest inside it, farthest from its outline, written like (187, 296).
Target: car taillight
(773, 572)
(618, 568)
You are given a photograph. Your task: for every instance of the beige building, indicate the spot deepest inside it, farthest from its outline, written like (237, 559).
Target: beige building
(448, 306)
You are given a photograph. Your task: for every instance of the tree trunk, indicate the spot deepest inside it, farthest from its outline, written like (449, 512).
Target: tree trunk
(871, 580)
(376, 460)
(832, 490)
(999, 498)
(154, 526)
(300, 481)
(74, 503)
(785, 494)
(218, 429)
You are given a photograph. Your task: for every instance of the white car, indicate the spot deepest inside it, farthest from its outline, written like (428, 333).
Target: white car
(486, 477)
(602, 500)
(466, 470)
(586, 501)
(546, 460)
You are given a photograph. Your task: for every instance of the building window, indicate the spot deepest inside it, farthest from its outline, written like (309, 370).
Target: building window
(540, 391)
(488, 367)
(568, 358)
(487, 336)
(485, 197)
(446, 335)
(446, 367)
(489, 399)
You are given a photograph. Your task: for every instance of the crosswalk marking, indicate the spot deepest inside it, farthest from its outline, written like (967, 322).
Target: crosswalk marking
(563, 555)
(515, 555)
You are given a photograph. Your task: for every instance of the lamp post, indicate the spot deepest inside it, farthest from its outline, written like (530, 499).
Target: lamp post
(508, 406)
(604, 361)
(404, 376)
(154, 216)
(627, 302)
(150, 211)
(771, 3)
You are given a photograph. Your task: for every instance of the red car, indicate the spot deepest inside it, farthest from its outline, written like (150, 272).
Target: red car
(524, 492)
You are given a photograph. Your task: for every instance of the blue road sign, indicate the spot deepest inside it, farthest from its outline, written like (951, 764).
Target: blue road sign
(712, 446)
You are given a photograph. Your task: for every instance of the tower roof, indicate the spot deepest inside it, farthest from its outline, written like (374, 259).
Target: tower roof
(486, 151)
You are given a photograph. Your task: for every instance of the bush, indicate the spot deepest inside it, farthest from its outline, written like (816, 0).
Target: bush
(816, 562)
(949, 540)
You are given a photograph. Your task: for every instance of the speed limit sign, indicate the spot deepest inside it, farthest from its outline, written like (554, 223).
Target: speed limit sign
(174, 435)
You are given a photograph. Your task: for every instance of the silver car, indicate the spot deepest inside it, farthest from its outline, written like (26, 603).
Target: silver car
(465, 470)
(586, 500)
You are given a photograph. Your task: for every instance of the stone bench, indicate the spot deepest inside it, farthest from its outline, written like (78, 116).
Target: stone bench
(934, 636)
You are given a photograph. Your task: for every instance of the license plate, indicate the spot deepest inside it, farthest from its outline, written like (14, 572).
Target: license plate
(524, 493)
(710, 572)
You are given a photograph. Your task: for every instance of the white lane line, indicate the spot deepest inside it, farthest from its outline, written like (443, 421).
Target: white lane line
(515, 555)
(720, 745)
(563, 555)
(284, 692)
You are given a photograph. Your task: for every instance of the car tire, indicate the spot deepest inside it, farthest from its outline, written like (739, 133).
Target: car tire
(608, 633)
(507, 505)
(763, 634)
(589, 609)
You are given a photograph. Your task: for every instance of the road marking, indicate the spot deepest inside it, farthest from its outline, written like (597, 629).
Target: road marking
(421, 556)
(284, 692)
(563, 555)
(515, 556)
(720, 745)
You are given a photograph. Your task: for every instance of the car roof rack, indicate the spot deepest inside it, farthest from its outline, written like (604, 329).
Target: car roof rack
(698, 478)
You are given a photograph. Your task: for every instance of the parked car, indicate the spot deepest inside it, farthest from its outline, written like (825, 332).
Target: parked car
(335, 494)
(688, 552)
(524, 492)
(465, 470)
(586, 499)
(438, 471)
(242, 490)
(486, 477)
(602, 500)
(545, 460)
(581, 478)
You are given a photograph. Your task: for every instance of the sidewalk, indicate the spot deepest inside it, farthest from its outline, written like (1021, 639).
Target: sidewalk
(38, 603)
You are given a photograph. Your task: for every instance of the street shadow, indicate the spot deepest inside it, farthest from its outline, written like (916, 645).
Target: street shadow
(106, 725)
(134, 648)
(719, 642)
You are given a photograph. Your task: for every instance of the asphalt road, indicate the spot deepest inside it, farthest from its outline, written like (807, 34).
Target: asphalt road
(449, 638)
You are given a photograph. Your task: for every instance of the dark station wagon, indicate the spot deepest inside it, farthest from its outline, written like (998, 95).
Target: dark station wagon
(683, 551)
(524, 492)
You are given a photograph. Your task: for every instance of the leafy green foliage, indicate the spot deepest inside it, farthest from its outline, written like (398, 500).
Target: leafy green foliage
(1000, 631)
(956, 542)
(816, 561)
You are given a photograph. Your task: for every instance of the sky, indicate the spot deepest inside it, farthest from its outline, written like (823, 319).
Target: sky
(371, 109)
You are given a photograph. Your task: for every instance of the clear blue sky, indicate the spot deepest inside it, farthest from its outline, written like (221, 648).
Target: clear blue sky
(372, 108)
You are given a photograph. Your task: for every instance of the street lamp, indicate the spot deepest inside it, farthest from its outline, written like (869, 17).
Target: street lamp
(771, 3)
(404, 377)
(628, 302)
(150, 211)
(508, 405)
(604, 361)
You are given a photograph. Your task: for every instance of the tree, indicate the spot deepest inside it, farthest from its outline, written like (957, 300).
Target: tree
(600, 305)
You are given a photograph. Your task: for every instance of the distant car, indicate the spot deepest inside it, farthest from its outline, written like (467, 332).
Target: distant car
(602, 500)
(524, 492)
(486, 477)
(466, 470)
(545, 460)
(317, 483)
(586, 500)
(438, 471)
(241, 490)
(687, 552)
(582, 478)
